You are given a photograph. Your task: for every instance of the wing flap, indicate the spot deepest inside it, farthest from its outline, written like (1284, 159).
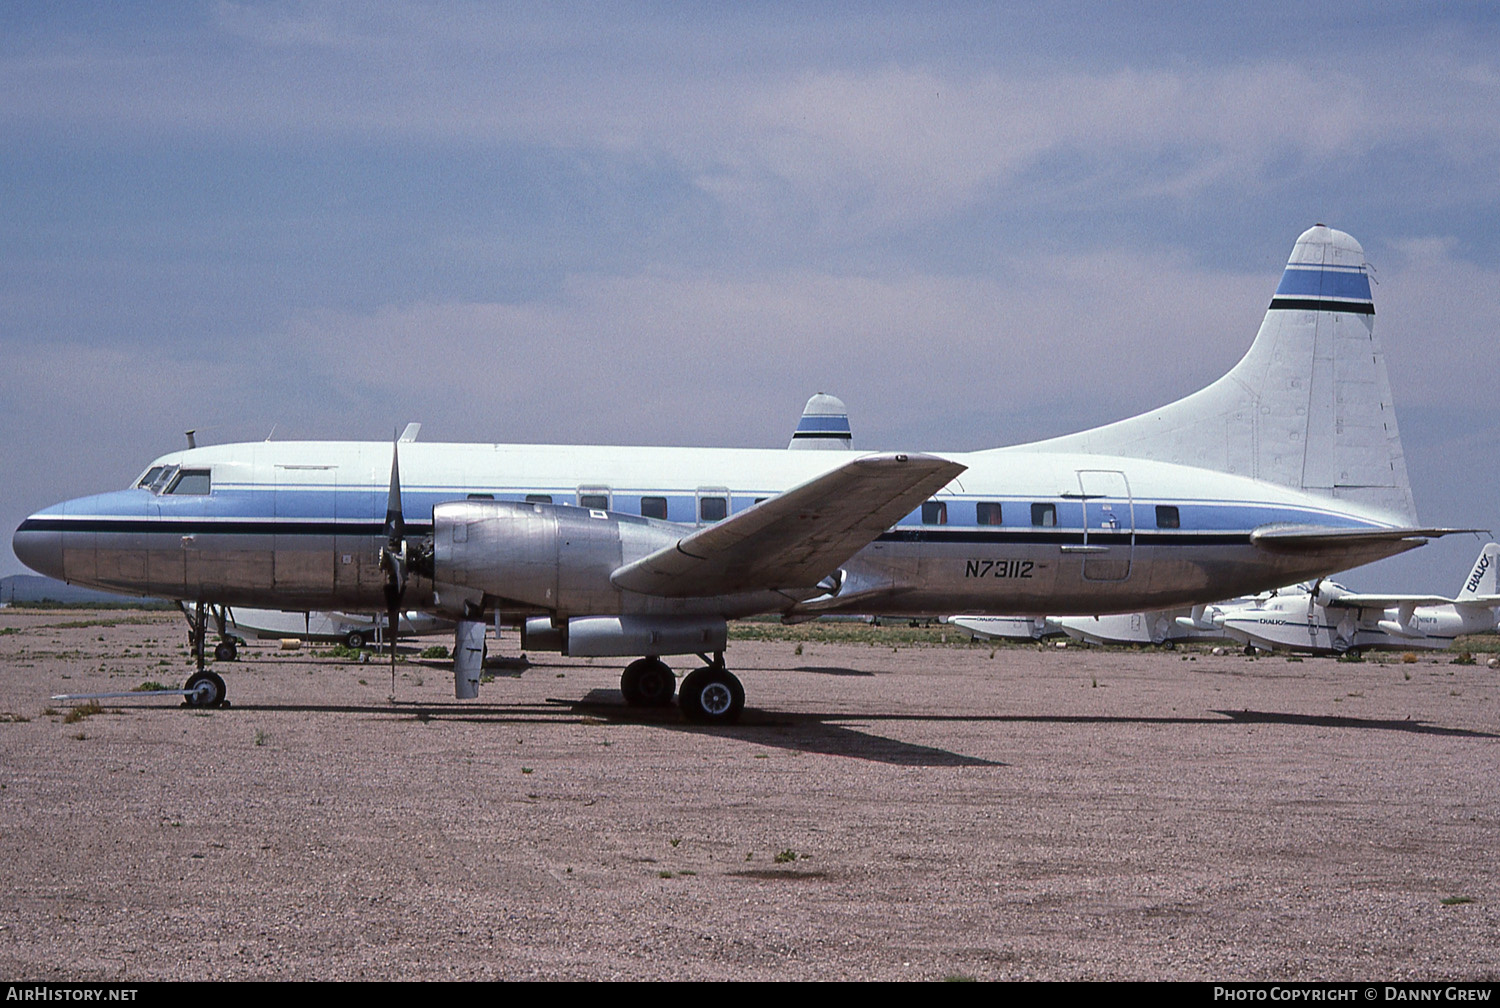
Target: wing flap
(796, 539)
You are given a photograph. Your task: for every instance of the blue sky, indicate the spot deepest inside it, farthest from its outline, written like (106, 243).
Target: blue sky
(976, 223)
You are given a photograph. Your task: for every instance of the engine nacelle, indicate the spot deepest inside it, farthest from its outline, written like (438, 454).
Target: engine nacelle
(547, 556)
(1327, 593)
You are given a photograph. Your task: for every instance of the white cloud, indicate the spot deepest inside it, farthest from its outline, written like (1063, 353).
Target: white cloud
(891, 144)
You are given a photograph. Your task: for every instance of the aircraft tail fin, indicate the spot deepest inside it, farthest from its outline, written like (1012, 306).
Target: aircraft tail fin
(1481, 582)
(824, 424)
(1309, 406)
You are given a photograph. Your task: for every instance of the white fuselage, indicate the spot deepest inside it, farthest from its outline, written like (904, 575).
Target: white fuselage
(298, 525)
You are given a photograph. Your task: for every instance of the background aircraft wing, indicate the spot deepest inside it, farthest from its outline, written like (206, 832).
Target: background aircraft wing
(796, 539)
(1363, 601)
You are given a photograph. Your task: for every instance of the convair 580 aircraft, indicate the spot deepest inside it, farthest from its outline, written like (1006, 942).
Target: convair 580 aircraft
(1287, 468)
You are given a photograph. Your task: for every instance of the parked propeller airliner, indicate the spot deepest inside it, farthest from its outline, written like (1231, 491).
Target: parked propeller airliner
(1288, 468)
(1161, 626)
(1327, 618)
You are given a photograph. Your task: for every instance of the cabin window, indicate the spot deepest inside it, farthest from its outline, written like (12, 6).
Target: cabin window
(934, 512)
(594, 498)
(481, 496)
(712, 509)
(653, 507)
(1167, 516)
(987, 513)
(1044, 515)
(538, 498)
(191, 481)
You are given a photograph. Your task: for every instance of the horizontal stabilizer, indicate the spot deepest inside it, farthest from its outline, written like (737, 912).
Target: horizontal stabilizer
(796, 539)
(1315, 538)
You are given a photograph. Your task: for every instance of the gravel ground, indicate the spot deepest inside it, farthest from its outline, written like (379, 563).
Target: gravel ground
(882, 813)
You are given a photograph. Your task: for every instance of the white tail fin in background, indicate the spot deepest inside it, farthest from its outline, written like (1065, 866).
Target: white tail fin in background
(1309, 406)
(824, 424)
(1481, 581)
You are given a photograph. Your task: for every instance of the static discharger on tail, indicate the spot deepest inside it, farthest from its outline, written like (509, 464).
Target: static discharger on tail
(1288, 468)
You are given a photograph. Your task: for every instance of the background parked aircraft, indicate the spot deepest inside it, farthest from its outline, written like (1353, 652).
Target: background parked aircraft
(1007, 627)
(356, 630)
(1331, 619)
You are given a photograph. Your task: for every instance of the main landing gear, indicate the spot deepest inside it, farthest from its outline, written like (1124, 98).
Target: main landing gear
(711, 695)
(647, 682)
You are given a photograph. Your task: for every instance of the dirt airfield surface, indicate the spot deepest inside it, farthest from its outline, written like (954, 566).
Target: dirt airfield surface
(907, 812)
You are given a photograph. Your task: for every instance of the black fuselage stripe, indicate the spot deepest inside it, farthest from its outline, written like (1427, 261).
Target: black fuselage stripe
(1066, 537)
(188, 526)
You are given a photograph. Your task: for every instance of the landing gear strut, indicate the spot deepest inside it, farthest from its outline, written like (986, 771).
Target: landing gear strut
(227, 649)
(712, 694)
(205, 688)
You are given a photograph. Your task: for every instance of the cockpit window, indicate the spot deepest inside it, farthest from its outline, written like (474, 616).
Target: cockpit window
(150, 476)
(191, 481)
(163, 477)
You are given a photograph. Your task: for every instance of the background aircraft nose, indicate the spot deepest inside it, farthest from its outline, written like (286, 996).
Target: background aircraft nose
(39, 548)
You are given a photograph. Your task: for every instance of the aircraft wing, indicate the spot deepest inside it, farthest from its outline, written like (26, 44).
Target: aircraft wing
(796, 539)
(1363, 601)
(1314, 538)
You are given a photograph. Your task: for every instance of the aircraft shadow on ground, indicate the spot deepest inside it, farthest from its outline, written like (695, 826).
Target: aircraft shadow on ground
(833, 670)
(1331, 721)
(825, 733)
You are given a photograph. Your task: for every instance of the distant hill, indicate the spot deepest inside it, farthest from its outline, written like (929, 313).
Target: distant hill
(35, 588)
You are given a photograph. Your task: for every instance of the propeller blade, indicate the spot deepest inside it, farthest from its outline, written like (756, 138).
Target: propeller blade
(395, 523)
(393, 558)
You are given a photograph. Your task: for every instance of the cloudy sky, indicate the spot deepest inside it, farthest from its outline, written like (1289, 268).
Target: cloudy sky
(671, 223)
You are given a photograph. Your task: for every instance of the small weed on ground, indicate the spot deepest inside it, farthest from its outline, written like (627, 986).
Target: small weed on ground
(82, 711)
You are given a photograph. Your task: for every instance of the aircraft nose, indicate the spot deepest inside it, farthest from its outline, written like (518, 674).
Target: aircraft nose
(39, 548)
